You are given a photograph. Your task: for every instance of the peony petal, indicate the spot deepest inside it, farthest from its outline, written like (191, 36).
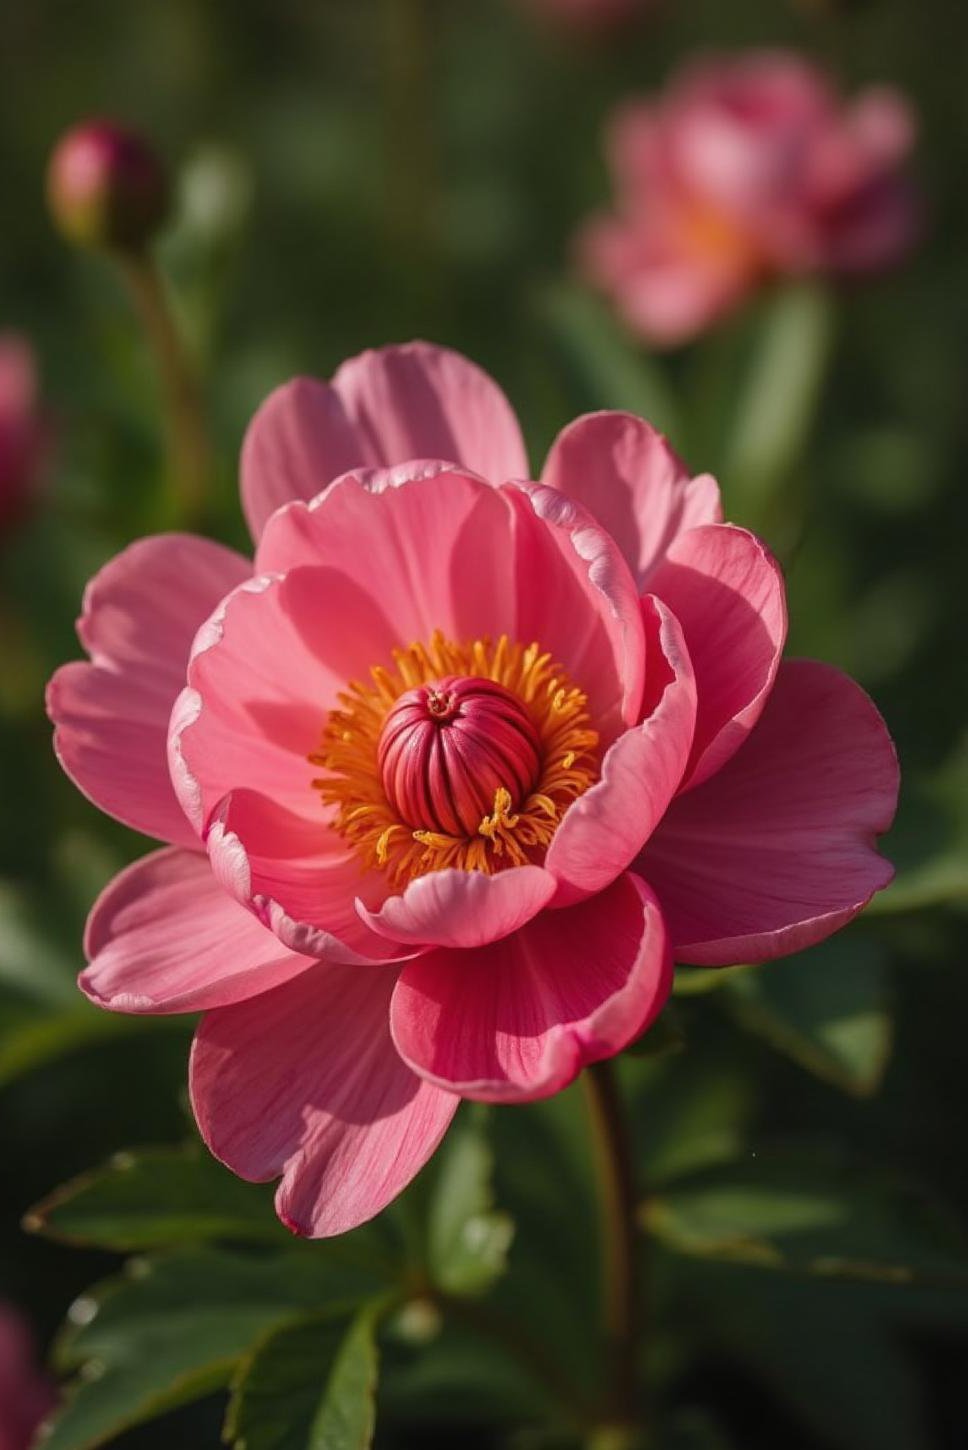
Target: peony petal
(305, 1081)
(462, 909)
(413, 534)
(776, 851)
(423, 401)
(726, 590)
(164, 937)
(265, 671)
(605, 828)
(111, 716)
(585, 614)
(624, 472)
(299, 879)
(523, 1016)
(299, 440)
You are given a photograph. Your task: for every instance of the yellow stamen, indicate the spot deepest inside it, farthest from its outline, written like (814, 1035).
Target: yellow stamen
(513, 834)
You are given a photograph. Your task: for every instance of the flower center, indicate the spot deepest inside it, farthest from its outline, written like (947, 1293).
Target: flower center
(462, 755)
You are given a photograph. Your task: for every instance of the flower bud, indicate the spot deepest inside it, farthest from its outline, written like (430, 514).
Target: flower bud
(106, 187)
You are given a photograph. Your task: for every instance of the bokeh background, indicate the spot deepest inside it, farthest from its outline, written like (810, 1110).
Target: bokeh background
(354, 172)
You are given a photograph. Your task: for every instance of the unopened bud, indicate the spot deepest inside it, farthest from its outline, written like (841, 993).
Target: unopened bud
(106, 187)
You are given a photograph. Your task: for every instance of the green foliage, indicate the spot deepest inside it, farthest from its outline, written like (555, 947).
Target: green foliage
(468, 1238)
(811, 1213)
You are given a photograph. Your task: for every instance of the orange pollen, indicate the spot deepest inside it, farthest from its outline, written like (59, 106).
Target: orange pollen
(458, 755)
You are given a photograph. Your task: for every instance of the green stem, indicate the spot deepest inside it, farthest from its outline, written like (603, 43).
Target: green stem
(189, 450)
(620, 1249)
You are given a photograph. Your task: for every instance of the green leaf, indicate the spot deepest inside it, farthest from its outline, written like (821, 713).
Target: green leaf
(608, 368)
(156, 1197)
(31, 1036)
(828, 1008)
(310, 1385)
(173, 1329)
(812, 1213)
(777, 399)
(468, 1239)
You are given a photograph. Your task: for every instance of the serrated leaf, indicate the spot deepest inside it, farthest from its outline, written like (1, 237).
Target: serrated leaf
(828, 1008)
(468, 1239)
(811, 1213)
(157, 1197)
(172, 1329)
(347, 1415)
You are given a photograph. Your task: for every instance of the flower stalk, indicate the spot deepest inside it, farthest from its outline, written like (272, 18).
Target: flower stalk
(621, 1299)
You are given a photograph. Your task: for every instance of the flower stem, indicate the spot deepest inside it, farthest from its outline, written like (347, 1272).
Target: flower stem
(620, 1266)
(189, 450)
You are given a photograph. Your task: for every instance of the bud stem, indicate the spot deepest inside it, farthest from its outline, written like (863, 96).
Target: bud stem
(189, 451)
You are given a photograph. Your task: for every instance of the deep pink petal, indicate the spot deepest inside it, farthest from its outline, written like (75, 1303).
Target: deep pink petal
(299, 879)
(165, 937)
(776, 851)
(423, 401)
(726, 590)
(463, 909)
(624, 472)
(111, 716)
(585, 614)
(606, 827)
(304, 1081)
(297, 442)
(520, 1018)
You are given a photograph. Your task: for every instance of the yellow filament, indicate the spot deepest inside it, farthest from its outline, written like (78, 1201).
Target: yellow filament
(508, 836)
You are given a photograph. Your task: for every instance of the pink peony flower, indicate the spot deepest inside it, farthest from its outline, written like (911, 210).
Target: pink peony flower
(746, 168)
(23, 433)
(453, 774)
(26, 1394)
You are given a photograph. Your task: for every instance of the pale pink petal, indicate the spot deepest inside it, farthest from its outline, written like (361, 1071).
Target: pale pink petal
(423, 401)
(299, 878)
(523, 1016)
(624, 472)
(111, 716)
(463, 909)
(776, 851)
(604, 829)
(264, 674)
(304, 1081)
(726, 590)
(165, 937)
(299, 440)
(576, 598)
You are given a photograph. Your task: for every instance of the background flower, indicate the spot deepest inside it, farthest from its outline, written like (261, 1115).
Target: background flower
(747, 168)
(26, 1394)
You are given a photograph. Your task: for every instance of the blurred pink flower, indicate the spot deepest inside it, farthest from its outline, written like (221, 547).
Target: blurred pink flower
(26, 1394)
(452, 775)
(23, 432)
(746, 168)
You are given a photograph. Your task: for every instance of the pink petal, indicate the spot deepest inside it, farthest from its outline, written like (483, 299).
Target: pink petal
(297, 442)
(383, 408)
(305, 1081)
(165, 937)
(585, 614)
(410, 539)
(605, 828)
(111, 716)
(299, 879)
(726, 590)
(265, 672)
(624, 472)
(423, 401)
(462, 909)
(524, 1015)
(776, 851)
